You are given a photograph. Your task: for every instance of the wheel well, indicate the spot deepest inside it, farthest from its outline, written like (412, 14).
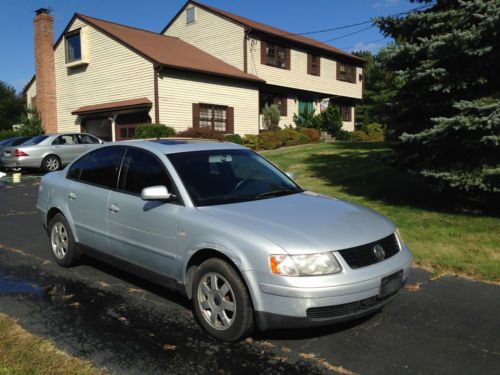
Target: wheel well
(199, 258)
(52, 212)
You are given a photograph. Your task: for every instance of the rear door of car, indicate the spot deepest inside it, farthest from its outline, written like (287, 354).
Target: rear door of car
(87, 141)
(144, 232)
(92, 179)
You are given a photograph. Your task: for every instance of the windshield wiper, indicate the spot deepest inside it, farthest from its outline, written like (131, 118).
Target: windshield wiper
(277, 193)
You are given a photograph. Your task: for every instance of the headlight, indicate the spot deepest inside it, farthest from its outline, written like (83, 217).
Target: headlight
(304, 265)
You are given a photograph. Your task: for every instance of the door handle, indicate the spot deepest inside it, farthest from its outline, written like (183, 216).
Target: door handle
(113, 208)
(72, 196)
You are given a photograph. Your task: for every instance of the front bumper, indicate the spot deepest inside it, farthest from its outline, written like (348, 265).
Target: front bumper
(285, 302)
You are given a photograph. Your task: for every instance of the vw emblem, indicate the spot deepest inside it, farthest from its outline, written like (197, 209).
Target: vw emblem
(378, 251)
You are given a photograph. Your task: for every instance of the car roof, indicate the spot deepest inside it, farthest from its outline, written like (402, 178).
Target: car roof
(177, 145)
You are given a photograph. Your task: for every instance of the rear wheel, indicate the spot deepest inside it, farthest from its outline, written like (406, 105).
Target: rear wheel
(62, 242)
(51, 163)
(221, 302)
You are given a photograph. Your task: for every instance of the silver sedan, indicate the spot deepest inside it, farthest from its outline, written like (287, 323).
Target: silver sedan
(224, 226)
(48, 152)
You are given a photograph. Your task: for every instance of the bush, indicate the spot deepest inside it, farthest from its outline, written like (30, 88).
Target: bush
(307, 119)
(271, 117)
(376, 132)
(235, 138)
(312, 134)
(270, 140)
(206, 133)
(289, 137)
(4, 134)
(31, 124)
(251, 141)
(359, 136)
(343, 135)
(153, 131)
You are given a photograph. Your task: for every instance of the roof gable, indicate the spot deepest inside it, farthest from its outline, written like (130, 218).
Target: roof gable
(269, 30)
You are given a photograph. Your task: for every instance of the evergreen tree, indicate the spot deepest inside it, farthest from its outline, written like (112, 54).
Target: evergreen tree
(446, 115)
(11, 106)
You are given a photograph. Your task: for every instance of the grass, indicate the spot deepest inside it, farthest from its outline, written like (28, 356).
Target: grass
(23, 353)
(442, 237)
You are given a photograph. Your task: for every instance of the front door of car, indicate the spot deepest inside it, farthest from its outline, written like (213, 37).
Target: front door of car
(144, 232)
(92, 177)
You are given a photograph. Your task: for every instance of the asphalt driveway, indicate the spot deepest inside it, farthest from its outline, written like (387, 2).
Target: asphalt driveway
(443, 326)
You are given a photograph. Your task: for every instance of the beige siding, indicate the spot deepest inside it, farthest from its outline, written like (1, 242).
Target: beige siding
(213, 34)
(114, 73)
(30, 94)
(178, 91)
(297, 76)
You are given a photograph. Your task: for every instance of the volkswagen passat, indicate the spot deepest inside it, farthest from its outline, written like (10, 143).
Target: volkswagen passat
(223, 225)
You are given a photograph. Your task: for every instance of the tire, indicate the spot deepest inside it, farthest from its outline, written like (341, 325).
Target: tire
(51, 163)
(62, 242)
(224, 311)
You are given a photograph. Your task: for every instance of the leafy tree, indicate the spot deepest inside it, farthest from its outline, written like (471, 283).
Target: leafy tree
(271, 117)
(379, 87)
(31, 123)
(446, 115)
(331, 122)
(307, 119)
(11, 106)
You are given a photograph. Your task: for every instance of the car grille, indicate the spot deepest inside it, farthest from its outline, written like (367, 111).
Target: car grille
(344, 309)
(364, 255)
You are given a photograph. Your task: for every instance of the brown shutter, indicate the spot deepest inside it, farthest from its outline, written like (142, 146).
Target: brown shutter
(318, 65)
(196, 115)
(284, 110)
(338, 70)
(230, 120)
(263, 47)
(287, 58)
(309, 63)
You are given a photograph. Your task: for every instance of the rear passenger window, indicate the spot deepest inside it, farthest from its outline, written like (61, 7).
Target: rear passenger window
(86, 139)
(141, 169)
(65, 140)
(76, 168)
(102, 166)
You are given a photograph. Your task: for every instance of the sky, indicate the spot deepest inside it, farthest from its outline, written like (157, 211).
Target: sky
(296, 16)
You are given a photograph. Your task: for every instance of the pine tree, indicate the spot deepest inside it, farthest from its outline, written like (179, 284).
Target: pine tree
(446, 115)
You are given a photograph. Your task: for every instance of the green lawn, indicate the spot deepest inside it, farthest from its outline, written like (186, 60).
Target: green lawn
(440, 236)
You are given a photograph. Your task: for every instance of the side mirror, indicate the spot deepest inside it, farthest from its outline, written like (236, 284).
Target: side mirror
(291, 175)
(156, 193)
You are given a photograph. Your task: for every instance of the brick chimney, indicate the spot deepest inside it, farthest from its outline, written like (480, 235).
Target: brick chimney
(46, 101)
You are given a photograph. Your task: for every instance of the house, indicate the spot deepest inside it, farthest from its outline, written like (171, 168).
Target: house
(207, 68)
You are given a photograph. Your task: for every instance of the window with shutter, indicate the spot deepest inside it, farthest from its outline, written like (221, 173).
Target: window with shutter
(275, 55)
(346, 72)
(216, 117)
(313, 64)
(346, 113)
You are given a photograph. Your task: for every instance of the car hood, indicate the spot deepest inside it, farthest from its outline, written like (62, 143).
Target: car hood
(306, 223)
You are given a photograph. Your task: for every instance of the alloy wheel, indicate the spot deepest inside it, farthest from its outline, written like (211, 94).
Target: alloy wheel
(216, 301)
(59, 240)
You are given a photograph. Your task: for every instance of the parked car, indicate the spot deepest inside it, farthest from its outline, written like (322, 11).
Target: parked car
(10, 142)
(48, 152)
(227, 228)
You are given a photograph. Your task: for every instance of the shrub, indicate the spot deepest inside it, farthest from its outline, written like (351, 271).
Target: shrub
(331, 121)
(4, 134)
(376, 132)
(343, 135)
(206, 133)
(235, 138)
(153, 131)
(31, 123)
(251, 141)
(359, 136)
(271, 117)
(312, 134)
(289, 137)
(270, 140)
(307, 119)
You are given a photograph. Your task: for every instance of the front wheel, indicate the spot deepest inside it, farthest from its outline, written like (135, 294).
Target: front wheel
(221, 302)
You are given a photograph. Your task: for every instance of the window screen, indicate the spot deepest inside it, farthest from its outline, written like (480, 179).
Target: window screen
(73, 47)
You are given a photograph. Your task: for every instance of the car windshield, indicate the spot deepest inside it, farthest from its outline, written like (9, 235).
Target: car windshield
(228, 176)
(35, 140)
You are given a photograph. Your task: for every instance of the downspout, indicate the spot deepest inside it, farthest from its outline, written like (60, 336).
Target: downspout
(156, 71)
